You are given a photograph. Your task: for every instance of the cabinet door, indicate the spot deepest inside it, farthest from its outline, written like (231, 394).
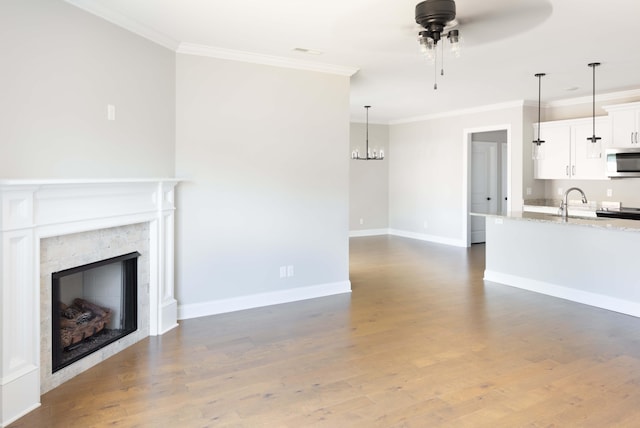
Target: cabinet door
(583, 167)
(624, 128)
(555, 163)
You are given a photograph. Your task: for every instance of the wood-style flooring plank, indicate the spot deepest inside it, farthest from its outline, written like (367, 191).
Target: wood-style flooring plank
(422, 341)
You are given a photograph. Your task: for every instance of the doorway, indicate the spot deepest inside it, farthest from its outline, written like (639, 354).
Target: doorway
(487, 178)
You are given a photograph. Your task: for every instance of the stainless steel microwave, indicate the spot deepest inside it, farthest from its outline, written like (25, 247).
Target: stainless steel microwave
(623, 162)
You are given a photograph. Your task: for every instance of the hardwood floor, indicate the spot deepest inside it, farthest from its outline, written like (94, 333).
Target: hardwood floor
(421, 342)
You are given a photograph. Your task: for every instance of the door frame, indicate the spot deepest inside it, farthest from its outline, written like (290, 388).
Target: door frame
(466, 176)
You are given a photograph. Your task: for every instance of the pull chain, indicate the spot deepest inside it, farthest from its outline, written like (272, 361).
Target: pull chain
(442, 59)
(435, 71)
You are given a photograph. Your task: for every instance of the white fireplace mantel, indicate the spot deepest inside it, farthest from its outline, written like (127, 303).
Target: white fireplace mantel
(34, 209)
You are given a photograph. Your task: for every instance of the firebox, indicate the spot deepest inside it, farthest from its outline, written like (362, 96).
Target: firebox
(93, 305)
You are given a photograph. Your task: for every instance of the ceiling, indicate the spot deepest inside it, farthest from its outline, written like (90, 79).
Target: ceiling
(505, 42)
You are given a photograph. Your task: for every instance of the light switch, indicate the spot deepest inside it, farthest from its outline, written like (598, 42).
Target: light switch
(111, 112)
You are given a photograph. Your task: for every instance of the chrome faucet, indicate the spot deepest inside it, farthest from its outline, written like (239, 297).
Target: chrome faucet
(564, 208)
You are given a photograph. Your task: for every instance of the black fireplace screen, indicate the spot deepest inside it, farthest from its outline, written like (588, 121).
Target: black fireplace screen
(92, 306)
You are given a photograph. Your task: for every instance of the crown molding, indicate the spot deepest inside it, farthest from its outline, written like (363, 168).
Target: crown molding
(461, 112)
(611, 96)
(276, 61)
(125, 22)
(203, 50)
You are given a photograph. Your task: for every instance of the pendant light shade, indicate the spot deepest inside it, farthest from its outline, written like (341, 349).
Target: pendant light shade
(368, 155)
(594, 148)
(537, 152)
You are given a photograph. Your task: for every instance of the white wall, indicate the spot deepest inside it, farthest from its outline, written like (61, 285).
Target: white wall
(60, 68)
(426, 172)
(265, 155)
(369, 180)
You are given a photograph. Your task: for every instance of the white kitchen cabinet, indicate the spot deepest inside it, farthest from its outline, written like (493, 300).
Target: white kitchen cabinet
(625, 124)
(566, 147)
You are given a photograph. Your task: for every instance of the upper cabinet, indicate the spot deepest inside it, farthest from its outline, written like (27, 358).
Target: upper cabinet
(565, 150)
(625, 124)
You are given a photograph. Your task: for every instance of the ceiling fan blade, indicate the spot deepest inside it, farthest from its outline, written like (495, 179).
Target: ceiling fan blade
(479, 25)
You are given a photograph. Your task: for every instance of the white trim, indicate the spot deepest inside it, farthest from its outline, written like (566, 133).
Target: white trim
(142, 30)
(367, 232)
(129, 24)
(33, 209)
(592, 299)
(276, 61)
(472, 110)
(611, 96)
(214, 307)
(467, 140)
(428, 238)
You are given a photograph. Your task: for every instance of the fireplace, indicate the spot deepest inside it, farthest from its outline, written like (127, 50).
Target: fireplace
(50, 226)
(92, 305)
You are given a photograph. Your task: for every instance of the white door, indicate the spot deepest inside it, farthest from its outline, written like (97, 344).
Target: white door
(484, 186)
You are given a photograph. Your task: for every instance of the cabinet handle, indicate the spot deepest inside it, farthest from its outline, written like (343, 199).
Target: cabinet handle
(567, 170)
(573, 170)
(636, 137)
(632, 137)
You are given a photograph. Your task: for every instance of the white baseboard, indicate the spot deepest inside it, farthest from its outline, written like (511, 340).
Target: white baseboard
(592, 299)
(214, 307)
(429, 238)
(367, 232)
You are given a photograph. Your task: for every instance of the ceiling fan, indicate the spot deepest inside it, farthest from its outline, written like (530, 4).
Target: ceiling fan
(436, 17)
(482, 22)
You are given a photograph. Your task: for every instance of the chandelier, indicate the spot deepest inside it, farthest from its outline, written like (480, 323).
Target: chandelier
(376, 155)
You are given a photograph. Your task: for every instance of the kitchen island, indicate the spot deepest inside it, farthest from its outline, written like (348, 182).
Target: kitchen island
(595, 261)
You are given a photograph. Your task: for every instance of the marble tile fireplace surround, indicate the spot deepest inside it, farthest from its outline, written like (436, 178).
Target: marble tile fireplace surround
(48, 225)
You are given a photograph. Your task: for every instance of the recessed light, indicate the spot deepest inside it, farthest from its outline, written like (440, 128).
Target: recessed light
(308, 51)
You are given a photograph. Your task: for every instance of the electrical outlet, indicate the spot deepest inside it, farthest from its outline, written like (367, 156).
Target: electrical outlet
(529, 191)
(609, 193)
(290, 271)
(425, 224)
(361, 221)
(283, 271)
(560, 191)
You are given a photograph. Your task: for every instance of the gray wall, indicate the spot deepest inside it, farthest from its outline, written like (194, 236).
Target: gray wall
(426, 171)
(264, 151)
(60, 68)
(369, 180)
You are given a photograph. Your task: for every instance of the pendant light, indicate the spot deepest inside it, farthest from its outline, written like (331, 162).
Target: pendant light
(538, 152)
(377, 154)
(594, 149)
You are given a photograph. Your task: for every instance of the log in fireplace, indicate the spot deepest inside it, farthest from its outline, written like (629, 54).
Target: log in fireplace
(93, 305)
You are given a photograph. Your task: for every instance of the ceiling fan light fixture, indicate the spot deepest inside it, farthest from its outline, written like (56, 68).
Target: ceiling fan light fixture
(435, 16)
(454, 40)
(427, 46)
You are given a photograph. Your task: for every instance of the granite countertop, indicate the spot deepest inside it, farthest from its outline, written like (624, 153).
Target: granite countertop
(597, 222)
